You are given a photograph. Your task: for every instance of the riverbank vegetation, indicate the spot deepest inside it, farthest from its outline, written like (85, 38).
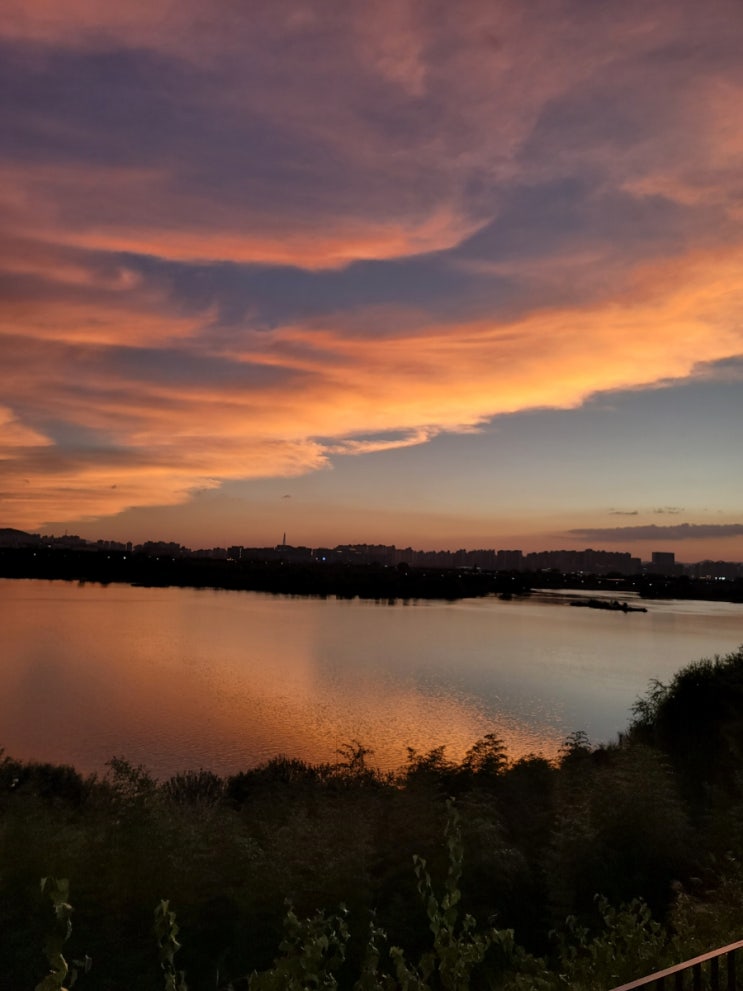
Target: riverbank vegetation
(483, 873)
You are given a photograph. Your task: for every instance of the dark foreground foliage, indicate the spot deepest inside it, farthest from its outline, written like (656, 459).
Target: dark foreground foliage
(486, 873)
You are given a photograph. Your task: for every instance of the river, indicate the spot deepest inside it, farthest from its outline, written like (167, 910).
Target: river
(179, 678)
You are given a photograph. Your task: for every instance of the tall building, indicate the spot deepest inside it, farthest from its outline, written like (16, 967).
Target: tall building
(663, 562)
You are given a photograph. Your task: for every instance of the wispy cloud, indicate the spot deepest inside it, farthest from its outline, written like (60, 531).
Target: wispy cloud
(680, 531)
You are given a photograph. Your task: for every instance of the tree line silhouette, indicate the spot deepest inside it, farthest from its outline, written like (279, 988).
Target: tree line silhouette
(583, 872)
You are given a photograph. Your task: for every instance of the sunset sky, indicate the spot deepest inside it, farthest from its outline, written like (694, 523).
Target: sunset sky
(441, 274)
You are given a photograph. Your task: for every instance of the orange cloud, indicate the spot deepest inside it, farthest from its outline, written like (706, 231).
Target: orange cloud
(141, 211)
(160, 441)
(672, 316)
(60, 293)
(345, 240)
(14, 435)
(103, 483)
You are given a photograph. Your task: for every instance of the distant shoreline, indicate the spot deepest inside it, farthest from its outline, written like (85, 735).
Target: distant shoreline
(340, 580)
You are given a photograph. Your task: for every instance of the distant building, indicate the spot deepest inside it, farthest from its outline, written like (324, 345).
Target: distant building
(587, 562)
(161, 548)
(716, 570)
(663, 563)
(510, 560)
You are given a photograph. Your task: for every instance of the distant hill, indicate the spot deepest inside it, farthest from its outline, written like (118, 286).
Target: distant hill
(9, 537)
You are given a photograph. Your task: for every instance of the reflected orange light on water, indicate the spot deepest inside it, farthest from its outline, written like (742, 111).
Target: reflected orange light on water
(177, 679)
(180, 679)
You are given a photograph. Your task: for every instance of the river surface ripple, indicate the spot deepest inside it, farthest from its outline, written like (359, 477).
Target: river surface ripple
(180, 678)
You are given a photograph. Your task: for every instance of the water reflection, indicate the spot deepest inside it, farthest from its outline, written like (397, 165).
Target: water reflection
(179, 678)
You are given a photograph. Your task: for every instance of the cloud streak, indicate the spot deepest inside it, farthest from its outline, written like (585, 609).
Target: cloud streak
(680, 531)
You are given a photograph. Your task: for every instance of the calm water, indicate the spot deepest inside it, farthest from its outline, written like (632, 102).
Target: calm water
(182, 678)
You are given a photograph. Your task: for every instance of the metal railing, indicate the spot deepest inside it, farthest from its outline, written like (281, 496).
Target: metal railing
(718, 976)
